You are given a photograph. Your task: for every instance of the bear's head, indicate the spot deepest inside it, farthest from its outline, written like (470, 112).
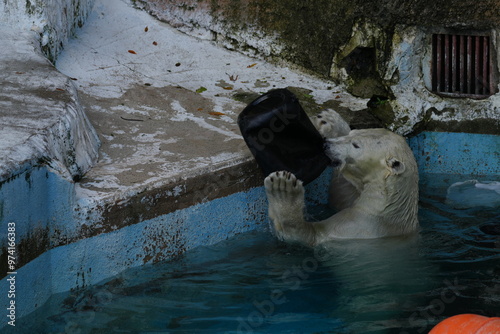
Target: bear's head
(370, 154)
(382, 167)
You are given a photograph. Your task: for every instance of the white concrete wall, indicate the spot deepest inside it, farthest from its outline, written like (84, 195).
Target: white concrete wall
(53, 20)
(52, 126)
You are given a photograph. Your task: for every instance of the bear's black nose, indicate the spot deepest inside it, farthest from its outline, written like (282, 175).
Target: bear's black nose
(335, 162)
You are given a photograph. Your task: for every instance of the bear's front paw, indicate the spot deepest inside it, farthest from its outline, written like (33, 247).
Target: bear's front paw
(330, 124)
(285, 194)
(283, 186)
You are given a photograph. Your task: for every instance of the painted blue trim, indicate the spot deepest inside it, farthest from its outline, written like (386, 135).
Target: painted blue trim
(36, 199)
(457, 153)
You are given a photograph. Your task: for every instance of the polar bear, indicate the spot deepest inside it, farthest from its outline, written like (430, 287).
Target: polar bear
(375, 188)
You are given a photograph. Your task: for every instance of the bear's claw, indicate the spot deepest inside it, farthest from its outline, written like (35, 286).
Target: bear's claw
(330, 124)
(283, 183)
(285, 194)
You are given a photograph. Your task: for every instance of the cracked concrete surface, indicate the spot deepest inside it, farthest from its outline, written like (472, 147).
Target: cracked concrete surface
(150, 135)
(162, 102)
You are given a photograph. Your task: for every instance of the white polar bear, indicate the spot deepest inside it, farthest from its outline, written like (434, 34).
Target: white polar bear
(375, 189)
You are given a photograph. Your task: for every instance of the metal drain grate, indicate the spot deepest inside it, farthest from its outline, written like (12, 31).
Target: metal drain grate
(461, 65)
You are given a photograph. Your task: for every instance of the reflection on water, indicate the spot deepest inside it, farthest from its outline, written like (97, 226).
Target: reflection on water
(255, 284)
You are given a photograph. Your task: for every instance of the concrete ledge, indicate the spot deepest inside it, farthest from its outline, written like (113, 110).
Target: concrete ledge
(57, 216)
(42, 119)
(165, 147)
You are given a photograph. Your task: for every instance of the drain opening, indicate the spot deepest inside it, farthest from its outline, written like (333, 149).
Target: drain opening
(462, 65)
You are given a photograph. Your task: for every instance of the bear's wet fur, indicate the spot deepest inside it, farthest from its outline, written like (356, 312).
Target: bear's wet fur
(374, 188)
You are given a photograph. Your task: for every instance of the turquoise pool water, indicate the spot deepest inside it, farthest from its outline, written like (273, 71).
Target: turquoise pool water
(255, 284)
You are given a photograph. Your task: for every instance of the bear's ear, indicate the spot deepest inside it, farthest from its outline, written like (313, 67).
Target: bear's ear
(397, 167)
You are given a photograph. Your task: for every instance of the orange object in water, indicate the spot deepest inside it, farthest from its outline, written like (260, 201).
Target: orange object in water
(467, 324)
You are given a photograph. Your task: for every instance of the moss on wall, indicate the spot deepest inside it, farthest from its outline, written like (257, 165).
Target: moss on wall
(311, 32)
(442, 13)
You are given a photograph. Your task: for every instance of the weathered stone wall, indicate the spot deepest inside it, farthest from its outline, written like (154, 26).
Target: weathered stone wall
(293, 30)
(53, 20)
(375, 48)
(413, 107)
(309, 33)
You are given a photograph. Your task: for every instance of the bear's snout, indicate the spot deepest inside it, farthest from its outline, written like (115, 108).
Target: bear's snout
(326, 146)
(335, 160)
(335, 163)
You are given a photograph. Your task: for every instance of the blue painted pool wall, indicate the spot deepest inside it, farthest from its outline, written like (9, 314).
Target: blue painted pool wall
(39, 202)
(92, 260)
(457, 153)
(36, 199)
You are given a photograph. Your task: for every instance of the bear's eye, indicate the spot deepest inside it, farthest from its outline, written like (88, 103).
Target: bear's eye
(355, 145)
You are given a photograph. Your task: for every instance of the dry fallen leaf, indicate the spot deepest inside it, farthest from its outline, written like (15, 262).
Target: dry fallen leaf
(232, 77)
(60, 89)
(227, 88)
(250, 66)
(132, 52)
(146, 29)
(216, 113)
(199, 109)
